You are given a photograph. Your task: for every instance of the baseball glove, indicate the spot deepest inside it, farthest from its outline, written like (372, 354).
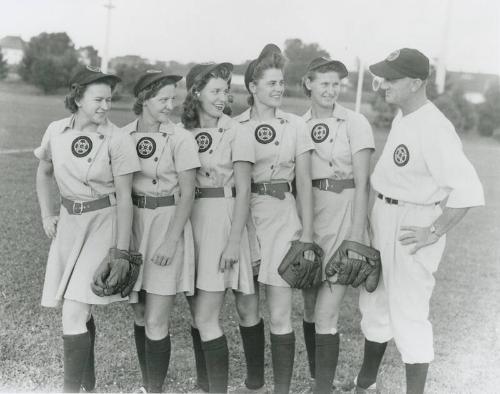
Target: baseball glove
(299, 272)
(117, 273)
(346, 270)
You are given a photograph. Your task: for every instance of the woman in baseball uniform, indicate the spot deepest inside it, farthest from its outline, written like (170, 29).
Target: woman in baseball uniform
(219, 214)
(93, 163)
(162, 195)
(282, 153)
(340, 168)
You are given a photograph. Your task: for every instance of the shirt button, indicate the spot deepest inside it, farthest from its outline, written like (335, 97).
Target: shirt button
(331, 164)
(277, 143)
(85, 184)
(101, 137)
(210, 151)
(164, 134)
(282, 121)
(331, 140)
(207, 173)
(220, 130)
(154, 181)
(89, 160)
(272, 167)
(156, 159)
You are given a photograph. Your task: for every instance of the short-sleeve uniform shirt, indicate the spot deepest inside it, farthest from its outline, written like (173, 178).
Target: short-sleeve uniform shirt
(336, 140)
(162, 155)
(277, 142)
(423, 162)
(85, 163)
(218, 149)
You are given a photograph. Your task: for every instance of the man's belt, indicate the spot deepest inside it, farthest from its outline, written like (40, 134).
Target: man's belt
(333, 185)
(151, 202)
(79, 207)
(393, 201)
(277, 190)
(214, 192)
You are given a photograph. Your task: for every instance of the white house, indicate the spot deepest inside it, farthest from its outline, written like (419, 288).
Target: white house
(12, 49)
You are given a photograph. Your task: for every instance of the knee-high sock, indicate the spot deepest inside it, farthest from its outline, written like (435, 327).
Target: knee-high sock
(76, 354)
(140, 345)
(416, 375)
(327, 356)
(309, 339)
(157, 362)
(88, 379)
(283, 353)
(199, 358)
(253, 344)
(217, 359)
(372, 358)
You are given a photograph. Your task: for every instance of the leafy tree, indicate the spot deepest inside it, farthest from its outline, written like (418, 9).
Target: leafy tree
(4, 68)
(90, 53)
(130, 74)
(489, 111)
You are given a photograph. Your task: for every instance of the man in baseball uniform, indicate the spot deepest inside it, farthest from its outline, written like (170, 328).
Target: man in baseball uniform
(422, 169)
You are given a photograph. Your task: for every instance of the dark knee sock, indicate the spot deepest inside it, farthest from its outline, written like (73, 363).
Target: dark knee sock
(416, 375)
(157, 361)
(217, 359)
(76, 354)
(88, 379)
(309, 339)
(253, 345)
(140, 345)
(372, 358)
(327, 356)
(199, 358)
(283, 353)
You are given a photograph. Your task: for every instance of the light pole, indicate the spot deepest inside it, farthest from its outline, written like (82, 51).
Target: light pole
(105, 55)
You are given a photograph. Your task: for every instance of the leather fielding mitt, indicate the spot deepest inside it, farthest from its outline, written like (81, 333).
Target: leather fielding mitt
(299, 272)
(345, 270)
(117, 273)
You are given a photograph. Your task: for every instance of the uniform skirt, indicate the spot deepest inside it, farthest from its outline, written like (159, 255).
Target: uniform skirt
(81, 243)
(212, 218)
(277, 224)
(149, 231)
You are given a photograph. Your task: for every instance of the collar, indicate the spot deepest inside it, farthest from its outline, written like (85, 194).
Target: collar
(339, 112)
(246, 115)
(224, 122)
(69, 124)
(168, 128)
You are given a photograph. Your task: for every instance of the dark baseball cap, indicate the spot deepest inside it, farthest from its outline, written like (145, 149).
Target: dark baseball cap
(198, 71)
(152, 76)
(405, 62)
(338, 66)
(91, 74)
(267, 51)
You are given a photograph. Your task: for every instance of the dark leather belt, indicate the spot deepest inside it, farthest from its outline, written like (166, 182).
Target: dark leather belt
(393, 201)
(79, 207)
(212, 192)
(333, 185)
(277, 190)
(151, 202)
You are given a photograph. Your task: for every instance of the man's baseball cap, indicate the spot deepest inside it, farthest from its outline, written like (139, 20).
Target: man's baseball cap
(199, 71)
(91, 74)
(267, 51)
(337, 65)
(152, 76)
(405, 62)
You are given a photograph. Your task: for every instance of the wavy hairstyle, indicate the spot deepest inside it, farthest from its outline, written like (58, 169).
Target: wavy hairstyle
(311, 75)
(150, 92)
(276, 60)
(192, 105)
(77, 91)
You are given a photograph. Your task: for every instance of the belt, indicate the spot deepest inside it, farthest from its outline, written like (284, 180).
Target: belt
(277, 190)
(333, 185)
(214, 192)
(79, 207)
(151, 202)
(390, 200)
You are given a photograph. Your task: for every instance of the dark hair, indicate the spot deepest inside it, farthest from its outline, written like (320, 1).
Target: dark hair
(276, 60)
(192, 105)
(149, 92)
(311, 75)
(77, 91)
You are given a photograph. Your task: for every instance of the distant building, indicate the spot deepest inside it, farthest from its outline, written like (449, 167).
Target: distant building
(12, 49)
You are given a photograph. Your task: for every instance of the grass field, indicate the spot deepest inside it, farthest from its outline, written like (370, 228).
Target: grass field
(465, 307)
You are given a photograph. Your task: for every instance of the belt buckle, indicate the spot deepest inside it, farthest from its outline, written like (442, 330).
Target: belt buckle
(75, 205)
(263, 189)
(197, 193)
(141, 202)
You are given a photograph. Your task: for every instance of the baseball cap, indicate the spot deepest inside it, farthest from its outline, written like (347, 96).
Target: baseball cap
(91, 74)
(198, 71)
(152, 76)
(318, 62)
(267, 51)
(405, 62)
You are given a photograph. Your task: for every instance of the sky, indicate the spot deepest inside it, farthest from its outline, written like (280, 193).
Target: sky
(236, 30)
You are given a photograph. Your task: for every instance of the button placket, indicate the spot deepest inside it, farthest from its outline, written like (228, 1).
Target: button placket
(90, 160)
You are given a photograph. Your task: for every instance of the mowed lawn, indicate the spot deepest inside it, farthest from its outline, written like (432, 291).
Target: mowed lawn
(465, 307)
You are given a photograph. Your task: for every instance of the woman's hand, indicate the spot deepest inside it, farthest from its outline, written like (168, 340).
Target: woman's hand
(50, 225)
(164, 255)
(230, 255)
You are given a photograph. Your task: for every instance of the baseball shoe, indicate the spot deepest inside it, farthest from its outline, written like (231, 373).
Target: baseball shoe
(352, 387)
(141, 390)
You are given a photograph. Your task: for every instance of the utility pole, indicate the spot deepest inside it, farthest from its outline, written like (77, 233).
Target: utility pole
(359, 90)
(105, 55)
(441, 63)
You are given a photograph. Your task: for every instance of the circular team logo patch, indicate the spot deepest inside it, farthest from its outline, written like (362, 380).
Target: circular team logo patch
(320, 132)
(401, 155)
(265, 133)
(146, 147)
(204, 141)
(81, 146)
(393, 56)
